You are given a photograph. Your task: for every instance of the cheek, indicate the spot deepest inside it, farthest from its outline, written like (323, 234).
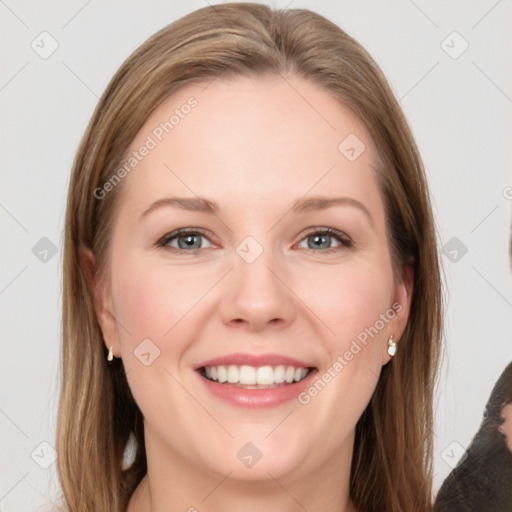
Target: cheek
(350, 304)
(152, 300)
(154, 304)
(351, 299)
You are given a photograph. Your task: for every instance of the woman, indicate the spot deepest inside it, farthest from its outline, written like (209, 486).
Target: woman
(251, 281)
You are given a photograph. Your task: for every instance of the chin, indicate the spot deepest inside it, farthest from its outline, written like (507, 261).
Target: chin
(261, 460)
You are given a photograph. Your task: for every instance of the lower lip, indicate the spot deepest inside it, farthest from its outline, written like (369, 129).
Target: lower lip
(257, 398)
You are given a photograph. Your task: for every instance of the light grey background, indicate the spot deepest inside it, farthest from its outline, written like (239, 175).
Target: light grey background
(459, 110)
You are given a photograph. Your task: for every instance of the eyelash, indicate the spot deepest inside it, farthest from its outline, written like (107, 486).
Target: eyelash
(344, 240)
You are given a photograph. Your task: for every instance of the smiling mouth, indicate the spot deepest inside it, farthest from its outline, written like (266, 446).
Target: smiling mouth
(252, 377)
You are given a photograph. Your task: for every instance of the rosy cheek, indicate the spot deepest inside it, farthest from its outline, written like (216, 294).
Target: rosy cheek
(150, 307)
(153, 300)
(357, 299)
(138, 302)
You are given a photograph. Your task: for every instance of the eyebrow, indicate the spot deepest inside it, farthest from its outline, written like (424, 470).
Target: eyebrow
(309, 204)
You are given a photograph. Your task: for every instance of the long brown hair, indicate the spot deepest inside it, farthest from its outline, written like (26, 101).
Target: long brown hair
(393, 451)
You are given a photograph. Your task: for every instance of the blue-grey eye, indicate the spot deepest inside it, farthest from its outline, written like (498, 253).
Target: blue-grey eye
(186, 241)
(324, 240)
(189, 241)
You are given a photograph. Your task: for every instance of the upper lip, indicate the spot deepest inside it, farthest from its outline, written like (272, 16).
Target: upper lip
(256, 360)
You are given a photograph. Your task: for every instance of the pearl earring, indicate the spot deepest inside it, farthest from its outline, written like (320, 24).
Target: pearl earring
(391, 346)
(110, 356)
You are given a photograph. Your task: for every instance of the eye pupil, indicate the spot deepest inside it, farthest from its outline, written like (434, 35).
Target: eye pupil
(318, 241)
(189, 241)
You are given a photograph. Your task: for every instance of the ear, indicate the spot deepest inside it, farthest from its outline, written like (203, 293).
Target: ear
(401, 305)
(102, 299)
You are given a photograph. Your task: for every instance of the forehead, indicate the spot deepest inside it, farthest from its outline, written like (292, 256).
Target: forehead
(251, 139)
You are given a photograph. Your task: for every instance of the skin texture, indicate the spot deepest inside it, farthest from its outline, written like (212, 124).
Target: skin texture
(253, 145)
(506, 427)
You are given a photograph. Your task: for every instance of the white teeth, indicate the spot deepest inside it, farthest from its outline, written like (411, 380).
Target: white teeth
(233, 374)
(265, 375)
(247, 375)
(255, 376)
(222, 373)
(279, 374)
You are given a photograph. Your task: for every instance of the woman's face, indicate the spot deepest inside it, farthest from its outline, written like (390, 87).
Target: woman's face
(255, 286)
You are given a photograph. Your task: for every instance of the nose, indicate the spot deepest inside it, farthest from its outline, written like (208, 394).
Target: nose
(257, 295)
